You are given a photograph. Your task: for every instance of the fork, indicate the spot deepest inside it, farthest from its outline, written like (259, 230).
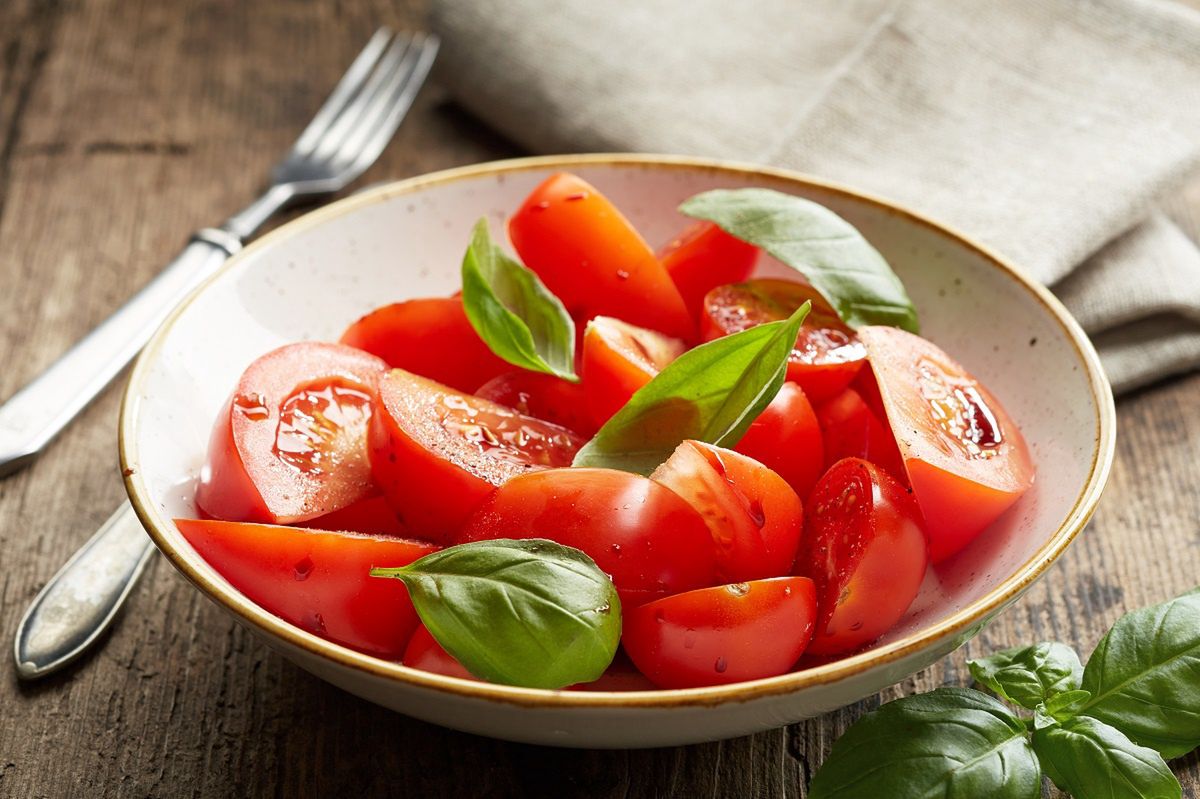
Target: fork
(344, 138)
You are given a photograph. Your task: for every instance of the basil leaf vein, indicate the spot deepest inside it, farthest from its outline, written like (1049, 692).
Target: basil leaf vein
(1086, 757)
(1030, 675)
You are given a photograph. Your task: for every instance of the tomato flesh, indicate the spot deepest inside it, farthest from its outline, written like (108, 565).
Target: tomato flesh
(786, 438)
(437, 453)
(967, 461)
(372, 515)
(721, 635)
(593, 259)
(317, 580)
(426, 654)
(865, 551)
(852, 430)
(703, 257)
(618, 359)
(542, 396)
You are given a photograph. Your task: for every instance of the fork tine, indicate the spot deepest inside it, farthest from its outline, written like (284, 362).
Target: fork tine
(344, 92)
(346, 121)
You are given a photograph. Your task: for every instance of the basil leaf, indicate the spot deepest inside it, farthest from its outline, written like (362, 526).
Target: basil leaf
(954, 743)
(817, 243)
(513, 311)
(1030, 675)
(1145, 676)
(1061, 707)
(711, 393)
(529, 612)
(1086, 757)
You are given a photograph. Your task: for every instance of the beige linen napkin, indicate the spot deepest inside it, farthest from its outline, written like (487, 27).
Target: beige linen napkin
(1045, 128)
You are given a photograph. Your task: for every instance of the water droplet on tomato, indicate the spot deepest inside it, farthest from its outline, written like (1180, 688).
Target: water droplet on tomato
(660, 616)
(622, 274)
(616, 548)
(720, 665)
(542, 206)
(738, 589)
(689, 639)
(303, 568)
(579, 196)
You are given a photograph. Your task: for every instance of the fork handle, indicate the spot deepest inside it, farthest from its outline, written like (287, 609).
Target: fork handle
(39, 411)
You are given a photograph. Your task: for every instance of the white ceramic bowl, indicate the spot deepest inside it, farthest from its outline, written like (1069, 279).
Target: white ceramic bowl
(312, 277)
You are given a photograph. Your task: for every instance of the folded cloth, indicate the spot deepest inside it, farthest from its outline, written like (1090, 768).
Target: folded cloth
(1044, 128)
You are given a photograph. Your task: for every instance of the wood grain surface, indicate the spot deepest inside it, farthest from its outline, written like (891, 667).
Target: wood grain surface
(126, 124)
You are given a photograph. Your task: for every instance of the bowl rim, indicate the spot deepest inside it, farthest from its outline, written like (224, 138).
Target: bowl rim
(193, 567)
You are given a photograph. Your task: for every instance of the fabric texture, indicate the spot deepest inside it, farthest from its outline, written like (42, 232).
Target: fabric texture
(1046, 129)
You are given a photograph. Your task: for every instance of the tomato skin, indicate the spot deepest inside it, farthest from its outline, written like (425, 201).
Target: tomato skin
(851, 430)
(703, 257)
(317, 580)
(618, 359)
(753, 515)
(639, 532)
(437, 453)
(827, 354)
(372, 516)
(786, 438)
(248, 477)
(721, 635)
(593, 259)
(426, 654)
(865, 550)
(542, 396)
(966, 459)
(430, 337)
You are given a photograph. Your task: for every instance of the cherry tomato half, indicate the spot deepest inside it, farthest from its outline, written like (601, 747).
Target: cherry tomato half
(703, 257)
(542, 396)
(786, 438)
(618, 359)
(437, 453)
(865, 550)
(727, 634)
(852, 430)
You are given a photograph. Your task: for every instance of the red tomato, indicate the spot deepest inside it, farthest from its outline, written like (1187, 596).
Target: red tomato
(865, 550)
(430, 337)
(786, 438)
(542, 396)
(966, 459)
(727, 634)
(639, 532)
(437, 453)
(426, 654)
(290, 444)
(618, 359)
(372, 515)
(316, 580)
(754, 517)
(827, 355)
(593, 260)
(621, 675)
(852, 430)
(703, 257)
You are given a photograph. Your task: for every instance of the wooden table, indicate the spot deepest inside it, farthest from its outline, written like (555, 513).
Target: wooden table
(126, 125)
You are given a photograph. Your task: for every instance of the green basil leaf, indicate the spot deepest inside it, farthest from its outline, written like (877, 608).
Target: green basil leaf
(529, 612)
(1030, 675)
(1086, 757)
(711, 393)
(953, 743)
(817, 243)
(513, 311)
(1145, 676)
(1061, 707)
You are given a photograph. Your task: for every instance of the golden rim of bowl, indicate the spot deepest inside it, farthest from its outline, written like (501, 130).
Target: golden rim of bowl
(958, 624)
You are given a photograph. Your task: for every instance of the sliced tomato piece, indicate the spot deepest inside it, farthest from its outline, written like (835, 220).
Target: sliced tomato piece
(426, 654)
(372, 515)
(967, 460)
(290, 444)
(638, 531)
(753, 515)
(317, 580)
(865, 550)
(618, 359)
(621, 675)
(727, 634)
(542, 396)
(786, 438)
(437, 453)
(852, 430)
(593, 259)
(430, 337)
(827, 355)
(703, 257)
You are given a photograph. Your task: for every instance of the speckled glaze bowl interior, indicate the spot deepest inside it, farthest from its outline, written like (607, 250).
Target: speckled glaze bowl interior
(312, 277)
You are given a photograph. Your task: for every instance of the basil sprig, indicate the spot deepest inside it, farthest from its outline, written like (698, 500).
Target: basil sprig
(1100, 730)
(818, 244)
(513, 312)
(711, 393)
(521, 612)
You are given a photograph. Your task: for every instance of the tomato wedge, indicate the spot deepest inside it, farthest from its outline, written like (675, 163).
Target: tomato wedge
(315, 579)
(425, 653)
(967, 461)
(727, 634)
(852, 430)
(827, 354)
(786, 438)
(373, 516)
(593, 259)
(865, 550)
(703, 257)
(290, 444)
(641, 533)
(430, 337)
(437, 453)
(618, 359)
(542, 396)
(753, 515)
